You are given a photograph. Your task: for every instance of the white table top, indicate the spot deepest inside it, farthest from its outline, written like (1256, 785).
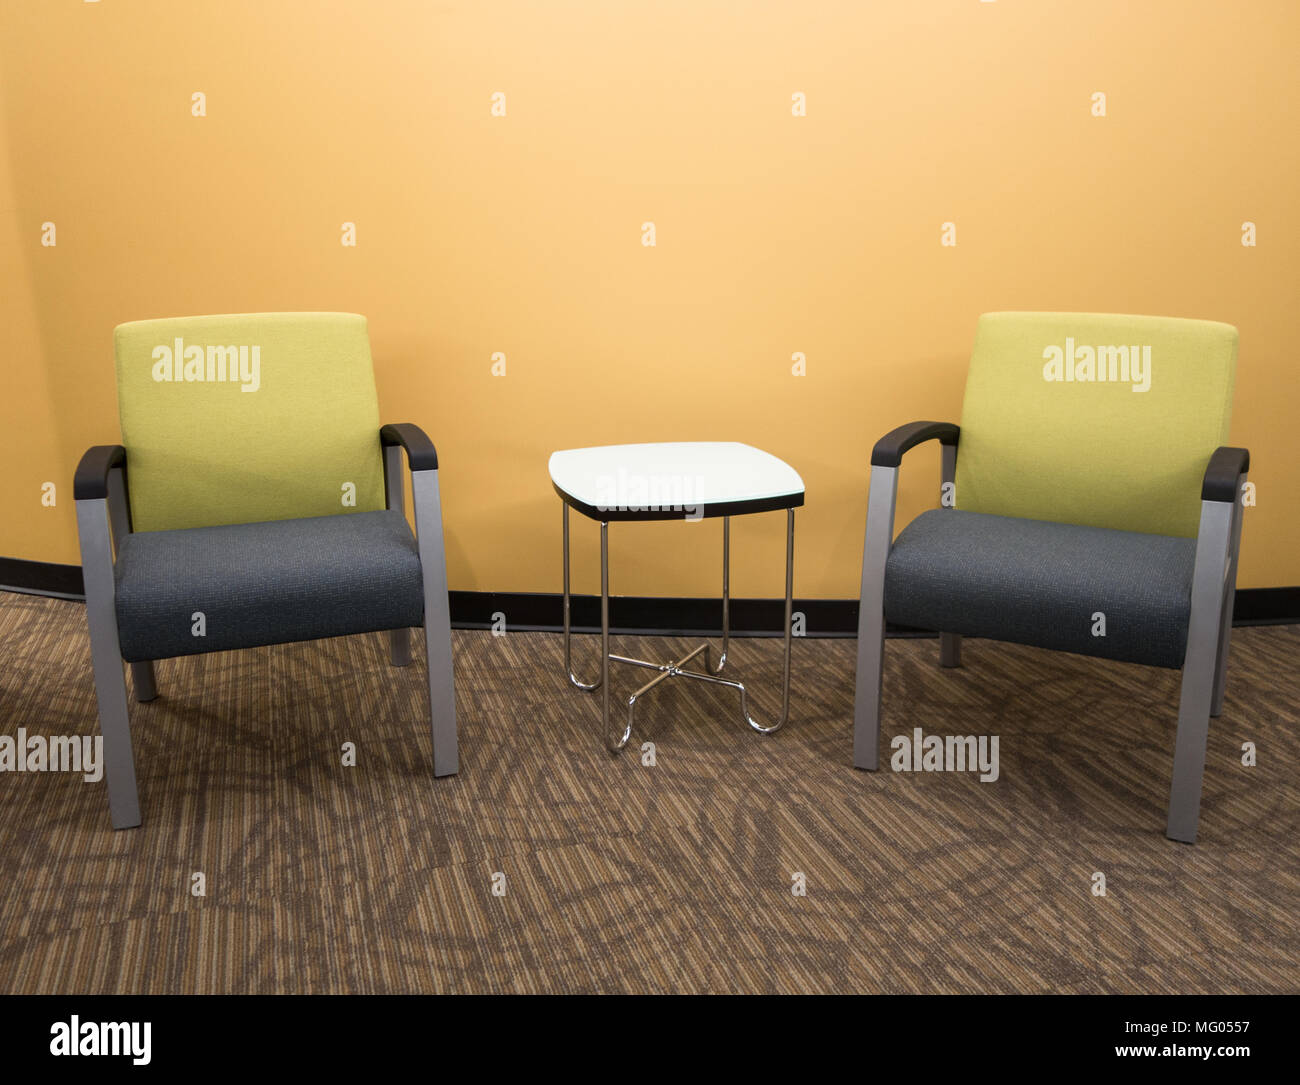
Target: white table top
(674, 481)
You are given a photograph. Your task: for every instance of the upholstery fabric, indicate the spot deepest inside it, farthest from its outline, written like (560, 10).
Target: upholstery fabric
(1100, 452)
(217, 443)
(266, 583)
(1041, 583)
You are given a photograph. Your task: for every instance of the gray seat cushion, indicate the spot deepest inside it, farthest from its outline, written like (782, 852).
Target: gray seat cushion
(1040, 583)
(266, 583)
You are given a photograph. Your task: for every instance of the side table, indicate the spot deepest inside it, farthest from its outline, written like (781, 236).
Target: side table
(674, 481)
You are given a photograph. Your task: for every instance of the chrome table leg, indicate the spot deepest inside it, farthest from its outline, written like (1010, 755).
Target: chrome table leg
(568, 665)
(766, 729)
(677, 668)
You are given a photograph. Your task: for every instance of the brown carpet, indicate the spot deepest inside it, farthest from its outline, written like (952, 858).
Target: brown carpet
(621, 877)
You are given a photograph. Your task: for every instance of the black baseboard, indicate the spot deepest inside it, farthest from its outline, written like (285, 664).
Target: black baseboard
(524, 611)
(750, 617)
(1266, 606)
(41, 578)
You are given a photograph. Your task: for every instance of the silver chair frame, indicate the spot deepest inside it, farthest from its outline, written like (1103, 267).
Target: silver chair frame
(675, 668)
(427, 500)
(102, 523)
(1205, 665)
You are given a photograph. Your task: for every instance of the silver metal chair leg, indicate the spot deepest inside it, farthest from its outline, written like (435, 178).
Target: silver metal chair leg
(106, 658)
(399, 640)
(949, 643)
(878, 539)
(568, 650)
(1229, 596)
(1213, 561)
(144, 680)
(437, 621)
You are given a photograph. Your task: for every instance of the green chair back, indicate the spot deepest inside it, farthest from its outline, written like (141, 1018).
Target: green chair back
(1094, 419)
(246, 418)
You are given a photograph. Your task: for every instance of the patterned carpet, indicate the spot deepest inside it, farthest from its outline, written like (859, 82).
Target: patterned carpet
(626, 878)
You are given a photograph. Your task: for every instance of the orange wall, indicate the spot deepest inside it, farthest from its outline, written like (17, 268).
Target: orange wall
(522, 233)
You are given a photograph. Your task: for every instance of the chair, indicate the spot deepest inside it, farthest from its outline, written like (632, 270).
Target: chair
(1084, 439)
(265, 505)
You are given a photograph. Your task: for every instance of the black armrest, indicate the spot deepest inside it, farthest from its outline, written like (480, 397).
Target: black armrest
(890, 448)
(420, 453)
(1221, 474)
(90, 483)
